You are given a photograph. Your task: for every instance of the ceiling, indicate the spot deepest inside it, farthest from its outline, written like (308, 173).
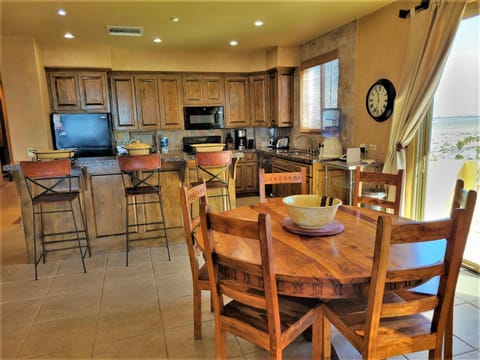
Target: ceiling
(202, 25)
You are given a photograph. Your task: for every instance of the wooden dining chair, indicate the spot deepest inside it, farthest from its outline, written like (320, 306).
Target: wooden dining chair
(466, 200)
(215, 168)
(297, 177)
(260, 316)
(379, 182)
(189, 197)
(388, 320)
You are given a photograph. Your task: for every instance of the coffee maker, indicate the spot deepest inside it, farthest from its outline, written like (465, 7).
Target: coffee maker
(272, 140)
(241, 139)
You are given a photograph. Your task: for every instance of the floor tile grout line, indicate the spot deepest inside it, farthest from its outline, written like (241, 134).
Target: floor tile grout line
(158, 302)
(30, 326)
(105, 265)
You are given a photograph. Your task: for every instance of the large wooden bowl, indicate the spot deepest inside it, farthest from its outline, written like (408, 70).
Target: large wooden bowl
(311, 211)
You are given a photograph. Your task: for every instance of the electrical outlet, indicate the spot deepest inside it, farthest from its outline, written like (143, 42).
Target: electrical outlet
(372, 147)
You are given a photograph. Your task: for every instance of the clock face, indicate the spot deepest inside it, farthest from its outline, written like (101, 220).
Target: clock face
(380, 99)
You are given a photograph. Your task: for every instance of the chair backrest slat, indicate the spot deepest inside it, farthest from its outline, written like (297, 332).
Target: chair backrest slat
(45, 169)
(380, 180)
(294, 177)
(140, 162)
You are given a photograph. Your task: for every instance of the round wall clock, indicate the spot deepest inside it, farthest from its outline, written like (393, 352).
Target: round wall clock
(380, 99)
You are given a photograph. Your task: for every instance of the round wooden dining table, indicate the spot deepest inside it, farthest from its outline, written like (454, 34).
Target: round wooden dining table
(325, 267)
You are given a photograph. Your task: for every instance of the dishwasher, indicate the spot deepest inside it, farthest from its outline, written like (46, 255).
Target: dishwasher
(265, 162)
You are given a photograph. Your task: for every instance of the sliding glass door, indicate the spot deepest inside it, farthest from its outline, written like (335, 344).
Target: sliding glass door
(455, 131)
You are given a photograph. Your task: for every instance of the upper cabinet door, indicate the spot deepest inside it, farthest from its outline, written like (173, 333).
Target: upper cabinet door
(78, 91)
(94, 91)
(169, 92)
(203, 90)
(146, 100)
(64, 91)
(237, 111)
(259, 100)
(281, 97)
(123, 102)
(214, 90)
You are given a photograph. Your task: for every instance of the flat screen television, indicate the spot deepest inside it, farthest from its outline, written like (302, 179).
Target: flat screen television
(89, 134)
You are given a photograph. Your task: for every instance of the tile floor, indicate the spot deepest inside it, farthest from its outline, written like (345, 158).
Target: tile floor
(140, 311)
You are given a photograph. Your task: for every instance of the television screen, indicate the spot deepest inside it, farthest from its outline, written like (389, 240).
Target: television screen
(82, 131)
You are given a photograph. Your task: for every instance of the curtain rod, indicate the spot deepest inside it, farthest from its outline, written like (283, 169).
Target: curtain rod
(422, 6)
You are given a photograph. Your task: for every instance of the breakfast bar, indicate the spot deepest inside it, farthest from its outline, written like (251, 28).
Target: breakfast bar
(102, 196)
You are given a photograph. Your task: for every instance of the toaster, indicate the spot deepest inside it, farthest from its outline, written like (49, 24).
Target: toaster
(282, 143)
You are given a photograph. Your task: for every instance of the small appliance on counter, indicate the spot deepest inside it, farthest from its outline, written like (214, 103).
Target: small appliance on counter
(272, 140)
(282, 143)
(331, 148)
(241, 139)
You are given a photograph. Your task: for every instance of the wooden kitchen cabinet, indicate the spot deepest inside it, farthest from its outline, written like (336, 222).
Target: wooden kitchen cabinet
(246, 180)
(281, 96)
(123, 102)
(78, 91)
(283, 165)
(336, 180)
(203, 89)
(146, 102)
(259, 100)
(170, 99)
(237, 109)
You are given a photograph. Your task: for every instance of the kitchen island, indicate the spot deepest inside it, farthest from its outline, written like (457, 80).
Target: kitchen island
(103, 200)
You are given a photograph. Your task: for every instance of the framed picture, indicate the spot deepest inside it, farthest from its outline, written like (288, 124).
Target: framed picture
(331, 122)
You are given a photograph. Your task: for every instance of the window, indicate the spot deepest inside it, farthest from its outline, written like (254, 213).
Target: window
(319, 90)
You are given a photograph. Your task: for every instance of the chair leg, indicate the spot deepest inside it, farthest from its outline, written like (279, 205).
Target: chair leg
(78, 237)
(35, 241)
(85, 228)
(326, 338)
(197, 312)
(127, 229)
(448, 338)
(220, 343)
(164, 225)
(42, 236)
(317, 339)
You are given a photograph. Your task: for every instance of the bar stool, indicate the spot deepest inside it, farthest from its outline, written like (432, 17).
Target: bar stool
(215, 168)
(49, 185)
(141, 180)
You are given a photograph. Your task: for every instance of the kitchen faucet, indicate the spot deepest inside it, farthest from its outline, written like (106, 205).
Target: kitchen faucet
(310, 146)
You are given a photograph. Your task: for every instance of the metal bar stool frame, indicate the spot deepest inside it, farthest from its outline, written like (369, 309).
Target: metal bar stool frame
(141, 176)
(50, 182)
(215, 168)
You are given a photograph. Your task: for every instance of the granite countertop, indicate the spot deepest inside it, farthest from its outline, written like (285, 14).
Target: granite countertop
(111, 161)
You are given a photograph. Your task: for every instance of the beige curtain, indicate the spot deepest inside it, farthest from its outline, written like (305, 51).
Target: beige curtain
(431, 33)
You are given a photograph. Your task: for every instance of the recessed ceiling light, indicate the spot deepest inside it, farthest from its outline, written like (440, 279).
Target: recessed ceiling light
(258, 23)
(157, 40)
(175, 18)
(233, 43)
(61, 12)
(68, 35)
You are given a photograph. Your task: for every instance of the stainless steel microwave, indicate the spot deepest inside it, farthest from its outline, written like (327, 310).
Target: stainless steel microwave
(203, 117)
